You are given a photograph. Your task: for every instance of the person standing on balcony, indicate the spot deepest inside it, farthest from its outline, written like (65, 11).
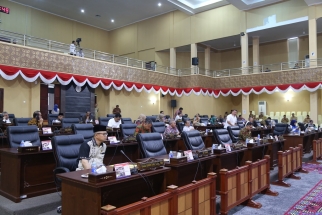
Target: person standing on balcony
(72, 48)
(80, 53)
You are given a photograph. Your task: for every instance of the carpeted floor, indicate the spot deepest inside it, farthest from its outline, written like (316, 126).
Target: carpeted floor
(311, 203)
(313, 167)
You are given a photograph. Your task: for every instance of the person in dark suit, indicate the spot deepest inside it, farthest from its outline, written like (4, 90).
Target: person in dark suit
(87, 118)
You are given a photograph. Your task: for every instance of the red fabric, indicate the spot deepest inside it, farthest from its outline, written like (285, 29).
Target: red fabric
(30, 73)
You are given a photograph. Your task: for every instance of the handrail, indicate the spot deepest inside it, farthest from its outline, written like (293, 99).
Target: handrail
(40, 43)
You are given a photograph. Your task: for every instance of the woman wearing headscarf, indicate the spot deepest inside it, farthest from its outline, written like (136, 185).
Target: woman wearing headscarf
(294, 126)
(140, 119)
(55, 110)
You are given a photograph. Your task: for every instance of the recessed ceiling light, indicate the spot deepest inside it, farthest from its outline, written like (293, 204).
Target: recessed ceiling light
(82, 10)
(112, 20)
(159, 4)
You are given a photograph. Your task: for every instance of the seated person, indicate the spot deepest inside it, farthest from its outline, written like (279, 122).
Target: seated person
(262, 118)
(246, 132)
(87, 118)
(284, 120)
(251, 114)
(270, 122)
(213, 120)
(5, 119)
(59, 118)
(293, 117)
(307, 119)
(187, 126)
(196, 120)
(294, 127)
(37, 119)
(161, 118)
(240, 118)
(115, 122)
(178, 117)
(93, 151)
(310, 124)
(172, 128)
(252, 122)
(220, 119)
(140, 119)
(144, 127)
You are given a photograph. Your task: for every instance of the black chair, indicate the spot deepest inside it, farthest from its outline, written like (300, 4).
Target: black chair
(222, 136)
(234, 133)
(258, 123)
(180, 126)
(301, 125)
(51, 118)
(110, 115)
(67, 122)
(280, 129)
(185, 118)
(27, 133)
(66, 151)
(204, 120)
(151, 144)
(103, 121)
(21, 121)
(126, 120)
(167, 116)
(152, 118)
(158, 127)
(267, 122)
(276, 120)
(192, 140)
(84, 129)
(127, 129)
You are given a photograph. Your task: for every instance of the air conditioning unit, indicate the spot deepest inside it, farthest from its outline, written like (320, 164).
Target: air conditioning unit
(262, 107)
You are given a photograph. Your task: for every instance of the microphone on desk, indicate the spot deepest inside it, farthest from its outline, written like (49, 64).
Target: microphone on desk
(137, 172)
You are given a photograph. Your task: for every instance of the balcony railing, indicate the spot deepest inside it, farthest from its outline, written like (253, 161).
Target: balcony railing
(25, 40)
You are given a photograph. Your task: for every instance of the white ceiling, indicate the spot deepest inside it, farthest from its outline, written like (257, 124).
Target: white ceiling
(251, 4)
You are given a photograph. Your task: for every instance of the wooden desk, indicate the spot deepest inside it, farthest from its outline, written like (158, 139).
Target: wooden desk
(81, 197)
(184, 173)
(113, 153)
(304, 139)
(29, 174)
(262, 132)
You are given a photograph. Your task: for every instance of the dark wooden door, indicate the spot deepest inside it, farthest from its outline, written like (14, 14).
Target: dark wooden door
(44, 101)
(1, 99)
(57, 96)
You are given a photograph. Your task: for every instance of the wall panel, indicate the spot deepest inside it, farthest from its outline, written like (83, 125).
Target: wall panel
(147, 55)
(181, 29)
(162, 58)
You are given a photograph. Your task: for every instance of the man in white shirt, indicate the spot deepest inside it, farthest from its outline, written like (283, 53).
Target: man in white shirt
(6, 117)
(72, 48)
(187, 126)
(115, 122)
(178, 117)
(231, 119)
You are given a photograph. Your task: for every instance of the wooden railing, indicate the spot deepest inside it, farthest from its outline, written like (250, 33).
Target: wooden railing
(198, 198)
(317, 150)
(289, 162)
(238, 186)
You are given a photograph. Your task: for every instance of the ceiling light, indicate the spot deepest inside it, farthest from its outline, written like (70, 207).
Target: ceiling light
(159, 4)
(82, 10)
(293, 38)
(112, 20)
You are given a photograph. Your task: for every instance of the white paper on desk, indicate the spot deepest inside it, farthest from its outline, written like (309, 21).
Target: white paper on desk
(27, 143)
(46, 130)
(46, 145)
(122, 170)
(227, 146)
(113, 140)
(102, 169)
(188, 154)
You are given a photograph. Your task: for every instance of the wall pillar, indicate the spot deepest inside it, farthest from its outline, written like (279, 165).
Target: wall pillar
(312, 42)
(207, 58)
(245, 106)
(194, 53)
(173, 58)
(256, 68)
(244, 53)
(314, 106)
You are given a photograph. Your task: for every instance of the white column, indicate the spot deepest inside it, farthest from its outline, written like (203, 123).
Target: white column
(244, 52)
(314, 106)
(207, 58)
(312, 42)
(245, 106)
(194, 53)
(256, 54)
(173, 58)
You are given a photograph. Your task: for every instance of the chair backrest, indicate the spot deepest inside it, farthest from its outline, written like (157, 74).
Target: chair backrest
(126, 120)
(84, 129)
(167, 116)
(51, 117)
(222, 136)
(21, 121)
(241, 125)
(151, 144)
(280, 129)
(103, 121)
(298, 113)
(184, 118)
(267, 122)
(152, 118)
(301, 125)
(158, 127)
(67, 122)
(234, 133)
(11, 117)
(110, 115)
(192, 140)
(127, 129)
(26, 133)
(180, 126)
(204, 120)
(66, 150)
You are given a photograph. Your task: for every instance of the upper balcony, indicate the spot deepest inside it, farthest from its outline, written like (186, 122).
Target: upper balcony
(30, 52)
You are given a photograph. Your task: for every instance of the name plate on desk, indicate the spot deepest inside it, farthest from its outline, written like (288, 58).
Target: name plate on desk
(251, 145)
(26, 149)
(219, 151)
(150, 163)
(97, 178)
(178, 160)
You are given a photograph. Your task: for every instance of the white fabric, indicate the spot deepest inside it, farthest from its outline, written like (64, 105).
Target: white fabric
(80, 54)
(113, 124)
(178, 118)
(185, 128)
(6, 120)
(232, 119)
